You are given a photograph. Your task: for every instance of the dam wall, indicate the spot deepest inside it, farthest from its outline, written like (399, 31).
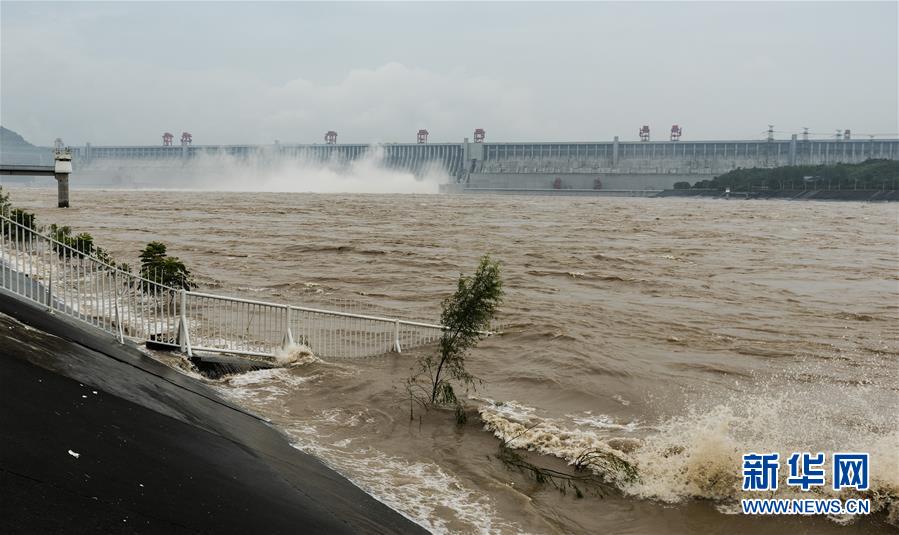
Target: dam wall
(676, 157)
(581, 165)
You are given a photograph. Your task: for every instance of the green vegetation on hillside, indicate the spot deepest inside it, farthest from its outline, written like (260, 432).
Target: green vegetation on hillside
(871, 174)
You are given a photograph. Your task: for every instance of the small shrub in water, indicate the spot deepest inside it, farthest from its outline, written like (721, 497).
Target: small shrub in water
(466, 317)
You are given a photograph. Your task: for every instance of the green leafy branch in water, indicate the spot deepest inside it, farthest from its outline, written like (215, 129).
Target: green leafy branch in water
(561, 481)
(466, 317)
(604, 462)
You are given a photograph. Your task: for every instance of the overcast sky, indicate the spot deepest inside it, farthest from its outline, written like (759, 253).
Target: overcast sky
(251, 73)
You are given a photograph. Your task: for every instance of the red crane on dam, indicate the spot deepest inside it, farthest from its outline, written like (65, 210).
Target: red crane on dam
(167, 139)
(186, 138)
(676, 132)
(644, 133)
(331, 137)
(479, 135)
(422, 136)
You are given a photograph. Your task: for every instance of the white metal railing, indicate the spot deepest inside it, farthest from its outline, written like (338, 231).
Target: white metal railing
(72, 283)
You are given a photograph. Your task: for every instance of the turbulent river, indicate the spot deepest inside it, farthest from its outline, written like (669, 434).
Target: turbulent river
(677, 334)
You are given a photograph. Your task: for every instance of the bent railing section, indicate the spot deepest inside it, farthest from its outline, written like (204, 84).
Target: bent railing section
(72, 283)
(244, 326)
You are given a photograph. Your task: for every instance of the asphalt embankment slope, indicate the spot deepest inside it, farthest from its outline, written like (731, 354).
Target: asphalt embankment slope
(157, 452)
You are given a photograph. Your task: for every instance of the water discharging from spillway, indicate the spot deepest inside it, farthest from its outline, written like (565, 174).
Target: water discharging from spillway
(673, 334)
(261, 170)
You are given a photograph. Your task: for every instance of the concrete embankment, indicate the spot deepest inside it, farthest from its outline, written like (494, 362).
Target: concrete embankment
(98, 437)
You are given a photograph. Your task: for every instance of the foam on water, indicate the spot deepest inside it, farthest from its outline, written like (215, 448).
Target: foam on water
(422, 491)
(602, 421)
(295, 355)
(699, 455)
(263, 387)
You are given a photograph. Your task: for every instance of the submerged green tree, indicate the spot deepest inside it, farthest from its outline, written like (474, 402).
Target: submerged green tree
(103, 255)
(4, 202)
(79, 245)
(26, 219)
(466, 318)
(157, 266)
(66, 244)
(23, 218)
(153, 253)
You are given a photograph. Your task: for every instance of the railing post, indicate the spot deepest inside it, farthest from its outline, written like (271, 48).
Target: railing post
(288, 334)
(50, 282)
(396, 336)
(183, 332)
(118, 317)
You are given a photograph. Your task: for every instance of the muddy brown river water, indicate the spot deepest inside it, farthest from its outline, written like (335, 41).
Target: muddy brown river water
(678, 333)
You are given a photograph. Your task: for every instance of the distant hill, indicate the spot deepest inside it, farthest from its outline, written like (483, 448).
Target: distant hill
(10, 139)
(15, 150)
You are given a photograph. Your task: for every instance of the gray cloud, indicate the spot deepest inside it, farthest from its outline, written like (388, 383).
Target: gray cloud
(242, 72)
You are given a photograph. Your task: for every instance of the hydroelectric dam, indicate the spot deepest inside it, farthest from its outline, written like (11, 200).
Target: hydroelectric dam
(496, 166)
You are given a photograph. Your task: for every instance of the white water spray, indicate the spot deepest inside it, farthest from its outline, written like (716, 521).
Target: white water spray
(264, 171)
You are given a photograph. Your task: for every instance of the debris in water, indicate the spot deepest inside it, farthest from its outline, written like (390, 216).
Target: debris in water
(73, 454)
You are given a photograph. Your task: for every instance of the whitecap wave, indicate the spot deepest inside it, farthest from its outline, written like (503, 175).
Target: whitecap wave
(699, 455)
